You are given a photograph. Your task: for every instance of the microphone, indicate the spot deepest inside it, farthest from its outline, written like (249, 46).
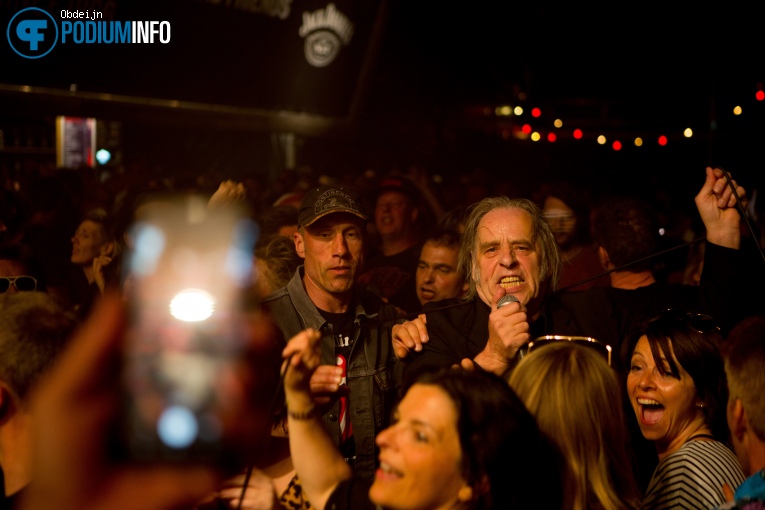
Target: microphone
(506, 300)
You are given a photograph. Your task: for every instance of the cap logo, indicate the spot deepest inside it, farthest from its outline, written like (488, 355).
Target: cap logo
(332, 199)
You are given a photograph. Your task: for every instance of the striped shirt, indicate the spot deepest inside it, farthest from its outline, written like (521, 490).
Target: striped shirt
(693, 476)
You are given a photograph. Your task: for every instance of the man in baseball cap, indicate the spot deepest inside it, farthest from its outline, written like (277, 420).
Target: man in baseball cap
(355, 325)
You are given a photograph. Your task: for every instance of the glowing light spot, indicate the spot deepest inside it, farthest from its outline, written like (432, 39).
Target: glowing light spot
(103, 156)
(638, 142)
(192, 305)
(661, 232)
(737, 110)
(601, 140)
(551, 137)
(558, 123)
(688, 132)
(526, 129)
(536, 112)
(535, 136)
(578, 134)
(504, 111)
(662, 140)
(760, 95)
(617, 145)
(177, 427)
(518, 110)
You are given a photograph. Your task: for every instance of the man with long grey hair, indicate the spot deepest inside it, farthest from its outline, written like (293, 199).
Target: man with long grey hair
(508, 249)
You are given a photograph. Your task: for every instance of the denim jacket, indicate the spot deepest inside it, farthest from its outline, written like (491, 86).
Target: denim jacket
(370, 374)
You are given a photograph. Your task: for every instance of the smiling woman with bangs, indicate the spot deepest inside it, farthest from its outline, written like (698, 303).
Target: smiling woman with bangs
(676, 386)
(460, 440)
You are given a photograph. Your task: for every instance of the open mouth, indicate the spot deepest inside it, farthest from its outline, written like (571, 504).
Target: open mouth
(510, 282)
(650, 411)
(388, 472)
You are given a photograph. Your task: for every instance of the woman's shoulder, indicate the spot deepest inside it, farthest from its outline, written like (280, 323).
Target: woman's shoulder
(702, 455)
(696, 471)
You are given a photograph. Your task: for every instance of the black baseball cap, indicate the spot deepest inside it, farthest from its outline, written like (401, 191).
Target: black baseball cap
(328, 199)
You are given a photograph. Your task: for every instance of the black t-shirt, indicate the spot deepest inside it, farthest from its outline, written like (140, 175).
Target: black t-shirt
(343, 332)
(393, 278)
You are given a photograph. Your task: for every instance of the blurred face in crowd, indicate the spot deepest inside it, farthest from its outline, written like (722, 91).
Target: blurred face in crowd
(437, 276)
(10, 283)
(562, 220)
(507, 258)
(332, 247)
(420, 454)
(394, 213)
(88, 243)
(666, 406)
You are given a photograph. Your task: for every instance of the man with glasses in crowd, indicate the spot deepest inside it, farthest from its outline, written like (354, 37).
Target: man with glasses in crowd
(16, 274)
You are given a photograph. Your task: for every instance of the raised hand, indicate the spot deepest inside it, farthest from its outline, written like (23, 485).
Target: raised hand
(717, 206)
(409, 336)
(508, 332)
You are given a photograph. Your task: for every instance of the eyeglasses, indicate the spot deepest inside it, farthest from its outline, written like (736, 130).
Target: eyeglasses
(699, 322)
(584, 341)
(22, 283)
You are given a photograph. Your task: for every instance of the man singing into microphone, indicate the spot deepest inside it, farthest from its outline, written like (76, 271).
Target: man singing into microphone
(508, 248)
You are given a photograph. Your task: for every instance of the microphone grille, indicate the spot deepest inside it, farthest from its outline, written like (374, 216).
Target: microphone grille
(505, 300)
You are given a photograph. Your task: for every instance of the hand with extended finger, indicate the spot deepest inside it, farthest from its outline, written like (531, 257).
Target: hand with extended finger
(325, 386)
(716, 203)
(99, 263)
(409, 336)
(508, 332)
(301, 359)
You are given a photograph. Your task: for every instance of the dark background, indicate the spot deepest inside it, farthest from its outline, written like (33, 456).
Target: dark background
(418, 85)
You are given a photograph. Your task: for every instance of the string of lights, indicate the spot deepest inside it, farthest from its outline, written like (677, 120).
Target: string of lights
(515, 121)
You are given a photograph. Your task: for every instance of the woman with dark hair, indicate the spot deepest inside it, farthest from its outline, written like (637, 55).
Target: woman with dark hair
(676, 386)
(460, 440)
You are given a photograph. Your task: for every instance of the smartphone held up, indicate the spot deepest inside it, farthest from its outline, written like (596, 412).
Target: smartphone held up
(185, 381)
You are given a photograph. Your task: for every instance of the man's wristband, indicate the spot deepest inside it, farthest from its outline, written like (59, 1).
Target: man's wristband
(311, 413)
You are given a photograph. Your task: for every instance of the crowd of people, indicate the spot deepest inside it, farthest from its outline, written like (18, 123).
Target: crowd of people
(386, 363)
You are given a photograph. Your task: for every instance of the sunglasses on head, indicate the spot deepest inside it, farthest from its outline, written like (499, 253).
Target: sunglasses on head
(699, 322)
(22, 283)
(585, 341)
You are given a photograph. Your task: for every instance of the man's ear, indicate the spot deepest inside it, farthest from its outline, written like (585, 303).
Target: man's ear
(605, 260)
(297, 237)
(739, 423)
